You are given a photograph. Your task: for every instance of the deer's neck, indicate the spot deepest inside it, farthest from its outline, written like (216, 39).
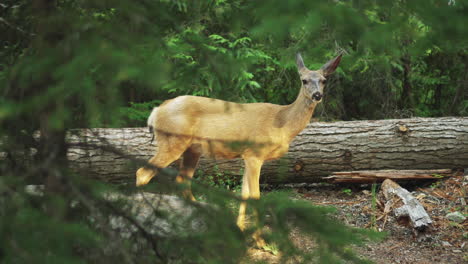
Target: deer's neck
(297, 115)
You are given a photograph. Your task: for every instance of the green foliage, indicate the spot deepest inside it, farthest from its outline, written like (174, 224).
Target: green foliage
(395, 63)
(438, 176)
(347, 191)
(435, 184)
(219, 179)
(29, 235)
(137, 113)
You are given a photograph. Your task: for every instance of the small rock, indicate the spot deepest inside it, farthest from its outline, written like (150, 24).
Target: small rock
(455, 217)
(446, 244)
(366, 192)
(34, 190)
(462, 201)
(425, 238)
(457, 251)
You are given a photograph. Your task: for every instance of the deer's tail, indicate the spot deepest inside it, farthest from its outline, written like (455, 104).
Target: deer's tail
(152, 122)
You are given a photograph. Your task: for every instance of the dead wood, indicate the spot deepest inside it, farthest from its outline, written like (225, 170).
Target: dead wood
(411, 209)
(376, 176)
(319, 150)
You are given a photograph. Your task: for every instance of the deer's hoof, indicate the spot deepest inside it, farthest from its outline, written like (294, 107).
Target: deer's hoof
(143, 176)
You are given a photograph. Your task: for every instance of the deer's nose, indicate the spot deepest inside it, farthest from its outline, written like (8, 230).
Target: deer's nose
(317, 96)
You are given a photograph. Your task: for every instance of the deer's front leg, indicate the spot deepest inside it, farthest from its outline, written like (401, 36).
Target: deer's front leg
(250, 190)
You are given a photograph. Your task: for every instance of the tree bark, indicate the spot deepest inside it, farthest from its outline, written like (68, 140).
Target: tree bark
(319, 150)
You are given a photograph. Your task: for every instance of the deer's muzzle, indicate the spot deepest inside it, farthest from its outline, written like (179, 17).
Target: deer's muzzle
(317, 96)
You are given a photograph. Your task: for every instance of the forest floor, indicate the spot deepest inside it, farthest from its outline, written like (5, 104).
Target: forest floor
(446, 242)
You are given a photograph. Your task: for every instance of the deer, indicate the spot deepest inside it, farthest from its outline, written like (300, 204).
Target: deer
(193, 126)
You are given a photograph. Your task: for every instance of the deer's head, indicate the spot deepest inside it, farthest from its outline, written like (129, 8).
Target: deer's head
(313, 82)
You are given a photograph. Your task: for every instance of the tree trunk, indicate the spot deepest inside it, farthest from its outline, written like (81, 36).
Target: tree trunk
(406, 100)
(322, 148)
(52, 148)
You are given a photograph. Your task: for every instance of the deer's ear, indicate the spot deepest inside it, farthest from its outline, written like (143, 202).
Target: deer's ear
(299, 62)
(330, 67)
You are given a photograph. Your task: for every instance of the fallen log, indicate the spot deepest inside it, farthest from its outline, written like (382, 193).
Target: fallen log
(377, 176)
(319, 150)
(411, 209)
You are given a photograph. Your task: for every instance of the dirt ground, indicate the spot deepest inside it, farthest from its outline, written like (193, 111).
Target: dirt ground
(445, 242)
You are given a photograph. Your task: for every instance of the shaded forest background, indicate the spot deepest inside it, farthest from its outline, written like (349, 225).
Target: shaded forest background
(77, 63)
(402, 58)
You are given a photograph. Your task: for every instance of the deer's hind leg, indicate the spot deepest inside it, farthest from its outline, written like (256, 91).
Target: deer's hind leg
(170, 148)
(187, 169)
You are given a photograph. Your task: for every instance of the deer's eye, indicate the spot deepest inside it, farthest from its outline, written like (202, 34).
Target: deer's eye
(323, 82)
(304, 82)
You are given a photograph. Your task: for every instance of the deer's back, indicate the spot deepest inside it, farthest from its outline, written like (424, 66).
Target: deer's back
(232, 127)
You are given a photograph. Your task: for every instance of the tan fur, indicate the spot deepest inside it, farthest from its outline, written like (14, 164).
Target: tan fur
(192, 126)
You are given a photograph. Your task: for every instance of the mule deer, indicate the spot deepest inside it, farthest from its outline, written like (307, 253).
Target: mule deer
(191, 126)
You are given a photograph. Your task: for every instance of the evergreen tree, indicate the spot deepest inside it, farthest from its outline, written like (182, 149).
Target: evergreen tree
(66, 64)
